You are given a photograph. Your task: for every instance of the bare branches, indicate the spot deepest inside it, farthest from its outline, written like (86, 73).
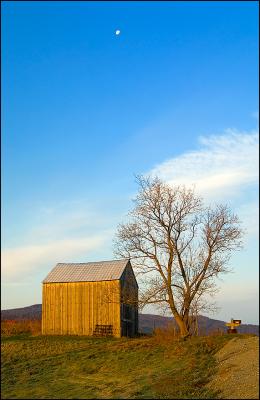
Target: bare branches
(183, 245)
(221, 229)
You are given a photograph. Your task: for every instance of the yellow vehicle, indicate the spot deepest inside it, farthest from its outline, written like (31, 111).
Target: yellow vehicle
(233, 325)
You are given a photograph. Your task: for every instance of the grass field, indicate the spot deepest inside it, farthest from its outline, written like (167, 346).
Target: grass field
(74, 367)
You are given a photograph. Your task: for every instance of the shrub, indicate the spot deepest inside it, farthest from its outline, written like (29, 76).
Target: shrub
(167, 334)
(12, 327)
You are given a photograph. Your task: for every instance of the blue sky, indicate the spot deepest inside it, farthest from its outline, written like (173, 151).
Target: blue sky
(83, 110)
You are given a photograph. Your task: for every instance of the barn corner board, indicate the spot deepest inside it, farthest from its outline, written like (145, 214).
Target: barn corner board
(94, 299)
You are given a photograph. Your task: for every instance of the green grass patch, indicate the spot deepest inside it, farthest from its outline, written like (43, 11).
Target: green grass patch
(77, 367)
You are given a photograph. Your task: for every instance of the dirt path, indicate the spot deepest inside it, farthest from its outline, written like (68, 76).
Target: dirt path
(238, 369)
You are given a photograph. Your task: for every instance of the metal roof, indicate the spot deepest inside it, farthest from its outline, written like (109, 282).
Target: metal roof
(87, 272)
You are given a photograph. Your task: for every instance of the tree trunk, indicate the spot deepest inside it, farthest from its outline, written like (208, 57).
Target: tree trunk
(184, 331)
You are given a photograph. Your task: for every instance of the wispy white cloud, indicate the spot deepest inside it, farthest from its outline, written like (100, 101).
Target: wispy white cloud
(20, 262)
(72, 218)
(59, 224)
(220, 168)
(249, 216)
(73, 231)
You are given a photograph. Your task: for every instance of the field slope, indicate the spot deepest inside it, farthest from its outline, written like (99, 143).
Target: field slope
(80, 367)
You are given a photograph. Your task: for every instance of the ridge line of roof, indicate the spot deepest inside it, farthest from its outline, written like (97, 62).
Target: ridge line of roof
(95, 262)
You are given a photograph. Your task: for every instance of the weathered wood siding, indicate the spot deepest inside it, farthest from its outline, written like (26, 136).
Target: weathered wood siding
(77, 307)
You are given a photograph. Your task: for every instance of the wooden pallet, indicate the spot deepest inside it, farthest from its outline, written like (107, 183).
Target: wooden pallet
(103, 330)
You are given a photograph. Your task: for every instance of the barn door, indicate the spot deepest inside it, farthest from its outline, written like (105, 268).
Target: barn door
(127, 328)
(127, 320)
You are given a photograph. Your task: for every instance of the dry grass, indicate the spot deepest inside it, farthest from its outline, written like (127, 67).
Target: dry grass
(12, 327)
(170, 333)
(166, 336)
(87, 368)
(217, 332)
(158, 366)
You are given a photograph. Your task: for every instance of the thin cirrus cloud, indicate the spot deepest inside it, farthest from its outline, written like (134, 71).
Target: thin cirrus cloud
(20, 262)
(220, 168)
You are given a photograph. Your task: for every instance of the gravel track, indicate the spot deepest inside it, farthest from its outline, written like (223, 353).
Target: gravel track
(237, 376)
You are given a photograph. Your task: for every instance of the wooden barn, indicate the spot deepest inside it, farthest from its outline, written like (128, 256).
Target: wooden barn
(95, 298)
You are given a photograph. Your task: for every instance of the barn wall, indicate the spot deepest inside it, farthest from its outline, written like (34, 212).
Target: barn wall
(77, 307)
(129, 303)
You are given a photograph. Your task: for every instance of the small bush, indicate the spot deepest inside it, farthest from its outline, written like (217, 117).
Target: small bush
(216, 332)
(166, 335)
(12, 327)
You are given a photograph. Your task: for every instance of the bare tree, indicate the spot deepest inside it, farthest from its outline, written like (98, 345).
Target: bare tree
(179, 246)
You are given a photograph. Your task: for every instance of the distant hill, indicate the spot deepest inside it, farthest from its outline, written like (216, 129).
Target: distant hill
(30, 312)
(147, 322)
